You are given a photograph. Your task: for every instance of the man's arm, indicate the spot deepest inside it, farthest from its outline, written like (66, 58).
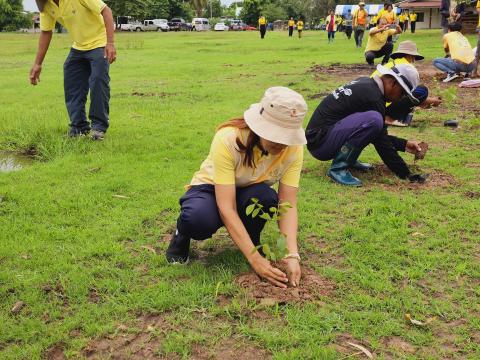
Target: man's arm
(43, 44)
(387, 147)
(110, 51)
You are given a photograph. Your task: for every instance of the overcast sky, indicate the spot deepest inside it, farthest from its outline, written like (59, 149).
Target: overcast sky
(29, 5)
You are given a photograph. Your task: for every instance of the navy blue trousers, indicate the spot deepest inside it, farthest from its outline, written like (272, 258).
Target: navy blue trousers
(84, 71)
(358, 129)
(199, 217)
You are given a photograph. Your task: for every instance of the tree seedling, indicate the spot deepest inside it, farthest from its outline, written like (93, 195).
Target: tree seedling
(273, 243)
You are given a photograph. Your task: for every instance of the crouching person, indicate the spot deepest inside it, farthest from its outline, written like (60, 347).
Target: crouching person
(247, 156)
(352, 117)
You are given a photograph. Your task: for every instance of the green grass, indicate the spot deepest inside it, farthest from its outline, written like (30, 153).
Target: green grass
(62, 224)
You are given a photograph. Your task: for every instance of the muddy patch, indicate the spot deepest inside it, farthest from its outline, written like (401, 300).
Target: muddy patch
(473, 194)
(55, 353)
(12, 161)
(142, 341)
(151, 94)
(395, 345)
(230, 349)
(312, 287)
(382, 176)
(343, 70)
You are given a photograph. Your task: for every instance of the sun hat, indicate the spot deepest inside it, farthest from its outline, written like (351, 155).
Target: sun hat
(279, 116)
(406, 75)
(361, 3)
(407, 48)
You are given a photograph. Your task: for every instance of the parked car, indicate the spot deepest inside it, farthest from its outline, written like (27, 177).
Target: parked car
(178, 24)
(250, 28)
(220, 27)
(200, 24)
(132, 26)
(238, 26)
(162, 23)
(149, 25)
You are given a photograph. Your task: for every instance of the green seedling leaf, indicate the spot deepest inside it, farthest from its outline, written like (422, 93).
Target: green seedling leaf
(255, 212)
(267, 251)
(254, 200)
(265, 216)
(250, 209)
(281, 243)
(273, 209)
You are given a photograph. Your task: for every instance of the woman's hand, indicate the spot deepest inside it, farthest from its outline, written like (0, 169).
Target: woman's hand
(412, 147)
(294, 272)
(265, 270)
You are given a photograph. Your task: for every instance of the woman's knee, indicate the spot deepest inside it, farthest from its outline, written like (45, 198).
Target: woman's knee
(265, 194)
(199, 223)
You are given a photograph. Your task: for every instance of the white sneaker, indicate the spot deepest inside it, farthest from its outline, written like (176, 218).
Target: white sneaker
(398, 123)
(450, 77)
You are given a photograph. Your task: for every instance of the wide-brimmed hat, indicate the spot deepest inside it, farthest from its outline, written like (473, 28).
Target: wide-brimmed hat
(279, 116)
(406, 75)
(407, 48)
(361, 3)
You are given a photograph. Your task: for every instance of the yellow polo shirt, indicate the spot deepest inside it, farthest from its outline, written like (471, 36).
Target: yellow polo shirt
(376, 41)
(82, 19)
(458, 46)
(291, 23)
(413, 17)
(390, 16)
(262, 21)
(224, 164)
(299, 25)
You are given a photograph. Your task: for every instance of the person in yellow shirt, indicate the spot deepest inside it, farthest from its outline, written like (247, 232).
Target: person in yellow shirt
(388, 14)
(359, 23)
(407, 20)
(400, 112)
(300, 27)
(247, 157)
(262, 24)
(461, 58)
(413, 21)
(90, 25)
(401, 21)
(291, 25)
(378, 44)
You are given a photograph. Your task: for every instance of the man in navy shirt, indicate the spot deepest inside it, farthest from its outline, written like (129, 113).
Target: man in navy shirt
(352, 117)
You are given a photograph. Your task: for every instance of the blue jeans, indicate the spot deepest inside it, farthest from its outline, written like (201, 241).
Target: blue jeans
(84, 71)
(199, 217)
(358, 129)
(331, 35)
(450, 66)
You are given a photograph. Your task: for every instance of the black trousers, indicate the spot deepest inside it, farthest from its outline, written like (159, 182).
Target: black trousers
(263, 30)
(348, 31)
(385, 51)
(290, 30)
(412, 26)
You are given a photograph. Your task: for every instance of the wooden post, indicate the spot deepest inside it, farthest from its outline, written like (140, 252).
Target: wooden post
(430, 20)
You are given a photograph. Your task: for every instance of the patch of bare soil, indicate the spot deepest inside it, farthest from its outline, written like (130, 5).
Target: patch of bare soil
(346, 71)
(311, 288)
(142, 344)
(55, 353)
(230, 349)
(473, 194)
(380, 173)
(395, 345)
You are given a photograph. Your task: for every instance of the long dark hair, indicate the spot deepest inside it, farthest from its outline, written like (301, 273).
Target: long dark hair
(252, 140)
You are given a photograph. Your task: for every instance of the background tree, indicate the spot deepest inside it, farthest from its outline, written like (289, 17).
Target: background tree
(199, 5)
(251, 11)
(12, 16)
(272, 11)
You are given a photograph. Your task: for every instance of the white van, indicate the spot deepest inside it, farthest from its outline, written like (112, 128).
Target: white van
(200, 24)
(162, 23)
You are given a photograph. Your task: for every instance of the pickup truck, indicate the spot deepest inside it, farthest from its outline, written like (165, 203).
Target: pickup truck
(132, 26)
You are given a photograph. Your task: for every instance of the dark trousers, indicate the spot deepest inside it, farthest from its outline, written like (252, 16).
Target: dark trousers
(290, 30)
(348, 31)
(405, 26)
(199, 217)
(402, 25)
(299, 33)
(358, 36)
(385, 51)
(400, 109)
(84, 71)
(358, 129)
(331, 35)
(263, 30)
(412, 26)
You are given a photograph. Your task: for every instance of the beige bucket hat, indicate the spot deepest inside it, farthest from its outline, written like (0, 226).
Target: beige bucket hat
(407, 48)
(279, 116)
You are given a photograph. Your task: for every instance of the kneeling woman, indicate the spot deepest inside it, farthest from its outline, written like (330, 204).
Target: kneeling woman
(247, 156)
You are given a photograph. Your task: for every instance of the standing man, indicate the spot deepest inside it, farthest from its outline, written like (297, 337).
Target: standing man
(90, 23)
(461, 58)
(407, 19)
(378, 44)
(401, 21)
(359, 23)
(300, 27)
(445, 13)
(348, 24)
(291, 25)
(262, 24)
(413, 21)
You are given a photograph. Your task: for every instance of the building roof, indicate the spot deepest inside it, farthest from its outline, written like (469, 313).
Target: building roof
(421, 4)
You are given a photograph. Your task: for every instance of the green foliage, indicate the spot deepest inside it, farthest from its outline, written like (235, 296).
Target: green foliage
(272, 242)
(12, 17)
(274, 12)
(251, 11)
(151, 9)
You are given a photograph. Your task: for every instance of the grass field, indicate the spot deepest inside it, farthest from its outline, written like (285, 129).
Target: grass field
(83, 230)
